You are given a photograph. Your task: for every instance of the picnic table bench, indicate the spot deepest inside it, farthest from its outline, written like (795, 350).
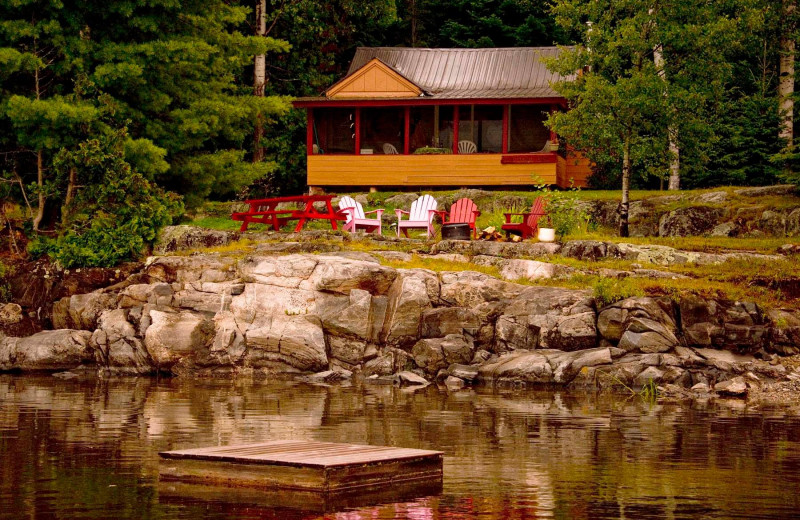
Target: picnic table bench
(265, 211)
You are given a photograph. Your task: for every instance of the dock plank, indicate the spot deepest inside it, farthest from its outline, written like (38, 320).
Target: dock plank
(303, 465)
(301, 453)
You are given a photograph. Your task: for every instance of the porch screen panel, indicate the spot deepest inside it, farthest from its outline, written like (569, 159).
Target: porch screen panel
(334, 131)
(483, 125)
(382, 126)
(421, 128)
(526, 130)
(444, 137)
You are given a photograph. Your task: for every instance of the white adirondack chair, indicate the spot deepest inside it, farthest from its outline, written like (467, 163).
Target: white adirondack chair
(467, 147)
(357, 217)
(420, 217)
(389, 149)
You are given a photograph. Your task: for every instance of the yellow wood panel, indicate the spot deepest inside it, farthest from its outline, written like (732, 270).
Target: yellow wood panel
(422, 170)
(374, 80)
(578, 169)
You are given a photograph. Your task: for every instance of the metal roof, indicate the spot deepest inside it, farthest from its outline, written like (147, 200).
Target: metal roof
(510, 72)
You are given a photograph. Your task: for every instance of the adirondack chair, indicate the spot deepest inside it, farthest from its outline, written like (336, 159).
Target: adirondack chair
(357, 217)
(389, 149)
(467, 147)
(420, 217)
(463, 211)
(530, 221)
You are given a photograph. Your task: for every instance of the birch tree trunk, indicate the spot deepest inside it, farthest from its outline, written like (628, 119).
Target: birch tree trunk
(37, 219)
(259, 79)
(624, 206)
(786, 82)
(672, 132)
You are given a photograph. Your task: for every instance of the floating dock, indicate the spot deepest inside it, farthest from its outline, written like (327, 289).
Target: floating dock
(305, 466)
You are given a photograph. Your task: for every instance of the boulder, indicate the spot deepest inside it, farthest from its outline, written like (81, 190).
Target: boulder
(180, 238)
(735, 387)
(340, 275)
(410, 378)
(520, 365)
(401, 200)
(442, 321)
(289, 343)
(454, 383)
(395, 256)
(408, 299)
(784, 331)
(50, 350)
(648, 336)
(259, 301)
(117, 347)
(497, 249)
(206, 268)
(689, 221)
(229, 345)
(567, 365)
(725, 229)
(348, 350)
(713, 197)
(382, 365)
(434, 354)
(329, 376)
(470, 289)
(282, 271)
(613, 320)
(347, 315)
(722, 324)
(549, 317)
(793, 223)
(468, 373)
(81, 311)
(767, 191)
(529, 270)
(176, 337)
(589, 250)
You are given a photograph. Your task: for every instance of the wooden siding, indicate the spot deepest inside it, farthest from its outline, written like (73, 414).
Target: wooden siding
(374, 80)
(578, 168)
(561, 172)
(424, 170)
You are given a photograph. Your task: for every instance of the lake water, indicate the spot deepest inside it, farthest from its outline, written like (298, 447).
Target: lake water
(72, 449)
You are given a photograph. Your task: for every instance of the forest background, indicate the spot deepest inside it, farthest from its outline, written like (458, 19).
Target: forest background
(116, 116)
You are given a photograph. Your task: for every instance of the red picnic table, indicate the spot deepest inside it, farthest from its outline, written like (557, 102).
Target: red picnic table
(264, 211)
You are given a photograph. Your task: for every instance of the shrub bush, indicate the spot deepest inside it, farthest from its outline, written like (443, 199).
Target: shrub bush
(115, 211)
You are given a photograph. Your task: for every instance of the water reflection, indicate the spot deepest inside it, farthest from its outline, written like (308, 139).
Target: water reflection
(89, 449)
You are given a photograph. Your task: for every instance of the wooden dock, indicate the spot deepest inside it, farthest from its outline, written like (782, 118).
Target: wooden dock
(307, 466)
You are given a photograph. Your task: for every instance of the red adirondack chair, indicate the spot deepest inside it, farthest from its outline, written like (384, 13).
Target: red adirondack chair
(530, 221)
(463, 211)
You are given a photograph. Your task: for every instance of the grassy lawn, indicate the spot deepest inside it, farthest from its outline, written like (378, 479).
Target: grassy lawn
(216, 215)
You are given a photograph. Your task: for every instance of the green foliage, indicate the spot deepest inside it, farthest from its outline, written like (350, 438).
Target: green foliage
(563, 212)
(116, 211)
(623, 95)
(611, 290)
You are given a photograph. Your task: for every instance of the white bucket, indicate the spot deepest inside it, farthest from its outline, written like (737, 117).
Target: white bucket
(547, 235)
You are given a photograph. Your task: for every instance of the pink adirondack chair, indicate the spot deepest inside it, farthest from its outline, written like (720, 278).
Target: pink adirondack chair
(463, 211)
(420, 217)
(357, 217)
(530, 220)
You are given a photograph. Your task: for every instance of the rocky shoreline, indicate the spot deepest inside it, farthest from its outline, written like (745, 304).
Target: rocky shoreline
(342, 315)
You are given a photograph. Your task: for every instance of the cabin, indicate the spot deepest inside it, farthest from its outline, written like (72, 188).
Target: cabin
(423, 118)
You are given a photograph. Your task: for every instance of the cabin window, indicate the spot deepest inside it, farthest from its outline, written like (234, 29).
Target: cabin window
(382, 131)
(334, 131)
(483, 126)
(526, 129)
